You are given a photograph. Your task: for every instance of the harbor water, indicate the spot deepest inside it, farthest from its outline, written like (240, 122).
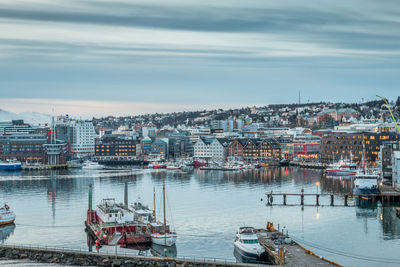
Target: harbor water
(206, 208)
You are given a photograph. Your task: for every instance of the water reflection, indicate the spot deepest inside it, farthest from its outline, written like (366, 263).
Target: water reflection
(207, 207)
(6, 231)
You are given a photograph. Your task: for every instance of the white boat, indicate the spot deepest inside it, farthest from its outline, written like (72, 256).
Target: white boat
(75, 164)
(161, 233)
(247, 245)
(341, 168)
(92, 165)
(6, 215)
(366, 183)
(173, 167)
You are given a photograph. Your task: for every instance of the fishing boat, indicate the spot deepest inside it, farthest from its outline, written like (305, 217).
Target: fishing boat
(341, 168)
(142, 213)
(112, 223)
(247, 245)
(161, 233)
(10, 165)
(7, 216)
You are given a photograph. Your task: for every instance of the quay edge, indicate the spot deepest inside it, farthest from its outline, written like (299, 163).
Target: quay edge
(81, 258)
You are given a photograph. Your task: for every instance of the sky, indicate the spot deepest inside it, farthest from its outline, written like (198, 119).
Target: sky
(127, 57)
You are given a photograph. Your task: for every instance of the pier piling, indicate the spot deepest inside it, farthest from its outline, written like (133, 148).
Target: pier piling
(302, 199)
(346, 197)
(332, 200)
(317, 199)
(284, 199)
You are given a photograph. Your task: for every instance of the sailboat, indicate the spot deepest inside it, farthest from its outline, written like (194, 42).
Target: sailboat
(161, 233)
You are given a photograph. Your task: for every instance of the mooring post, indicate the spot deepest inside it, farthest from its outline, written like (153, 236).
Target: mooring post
(332, 200)
(284, 199)
(126, 194)
(317, 199)
(302, 199)
(90, 198)
(345, 199)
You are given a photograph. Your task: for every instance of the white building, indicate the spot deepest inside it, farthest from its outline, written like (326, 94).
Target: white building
(83, 143)
(210, 148)
(149, 131)
(396, 169)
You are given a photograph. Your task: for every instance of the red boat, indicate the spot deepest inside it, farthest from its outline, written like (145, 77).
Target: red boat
(113, 223)
(198, 164)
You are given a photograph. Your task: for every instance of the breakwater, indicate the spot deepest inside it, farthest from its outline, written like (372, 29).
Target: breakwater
(81, 258)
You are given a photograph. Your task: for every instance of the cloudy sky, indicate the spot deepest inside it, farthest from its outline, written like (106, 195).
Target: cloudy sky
(127, 57)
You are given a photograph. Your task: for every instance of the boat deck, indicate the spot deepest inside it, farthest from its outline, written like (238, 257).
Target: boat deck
(296, 255)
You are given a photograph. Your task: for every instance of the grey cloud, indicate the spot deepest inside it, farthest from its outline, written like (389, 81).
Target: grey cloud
(297, 22)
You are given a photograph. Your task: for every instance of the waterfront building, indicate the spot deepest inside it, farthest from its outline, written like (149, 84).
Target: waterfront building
(351, 145)
(83, 139)
(159, 148)
(254, 148)
(24, 147)
(179, 146)
(386, 151)
(396, 170)
(210, 148)
(54, 153)
(112, 146)
(146, 145)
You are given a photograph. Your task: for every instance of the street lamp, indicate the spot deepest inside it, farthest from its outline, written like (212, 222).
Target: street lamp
(317, 184)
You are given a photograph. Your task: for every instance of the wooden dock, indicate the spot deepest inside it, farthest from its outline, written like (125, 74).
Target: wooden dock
(301, 197)
(284, 251)
(44, 167)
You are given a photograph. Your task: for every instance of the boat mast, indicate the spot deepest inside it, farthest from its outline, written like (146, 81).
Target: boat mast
(165, 219)
(154, 200)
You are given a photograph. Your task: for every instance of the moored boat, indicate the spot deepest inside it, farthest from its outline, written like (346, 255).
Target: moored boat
(247, 245)
(10, 165)
(92, 165)
(7, 216)
(112, 223)
(161, 233)
(341, 168)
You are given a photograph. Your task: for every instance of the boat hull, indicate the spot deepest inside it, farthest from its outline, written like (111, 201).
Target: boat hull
(162, 240)
(246, 254)
(10, 167)
(6, 222)
(340, 172)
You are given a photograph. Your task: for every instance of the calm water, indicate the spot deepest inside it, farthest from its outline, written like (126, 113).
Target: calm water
(206, 208)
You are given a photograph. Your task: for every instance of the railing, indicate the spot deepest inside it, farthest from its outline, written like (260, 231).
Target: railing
(116, 253)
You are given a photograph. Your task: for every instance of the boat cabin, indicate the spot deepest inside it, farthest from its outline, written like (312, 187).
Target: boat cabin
(109, 211)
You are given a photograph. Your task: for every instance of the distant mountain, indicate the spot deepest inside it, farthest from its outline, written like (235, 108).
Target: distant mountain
(33, 118)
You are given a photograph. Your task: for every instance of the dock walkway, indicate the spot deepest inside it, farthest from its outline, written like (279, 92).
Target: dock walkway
(294, 253)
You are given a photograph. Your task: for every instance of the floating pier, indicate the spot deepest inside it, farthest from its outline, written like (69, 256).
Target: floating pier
(284, 251)
(310, 165)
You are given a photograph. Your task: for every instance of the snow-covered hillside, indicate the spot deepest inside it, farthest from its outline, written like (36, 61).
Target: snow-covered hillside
(33, 118)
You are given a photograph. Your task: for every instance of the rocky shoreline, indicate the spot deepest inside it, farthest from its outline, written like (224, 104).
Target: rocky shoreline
(76, 258)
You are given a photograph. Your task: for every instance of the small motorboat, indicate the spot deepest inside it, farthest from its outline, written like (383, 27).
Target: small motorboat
(247, 245)
(6, 215)
(92, 165)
